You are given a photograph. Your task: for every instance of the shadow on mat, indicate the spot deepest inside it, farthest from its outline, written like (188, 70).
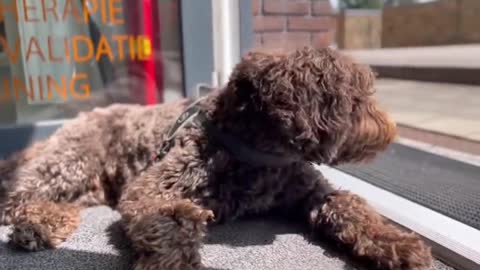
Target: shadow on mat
(252, 231)
(66, 259)
(61, 259)
(243, 233)
(263, 231)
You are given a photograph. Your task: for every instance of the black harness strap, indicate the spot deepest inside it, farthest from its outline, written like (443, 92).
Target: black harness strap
(237, 148)
(186, 117)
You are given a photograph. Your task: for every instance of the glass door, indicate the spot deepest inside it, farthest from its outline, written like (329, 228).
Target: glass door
(61, 57)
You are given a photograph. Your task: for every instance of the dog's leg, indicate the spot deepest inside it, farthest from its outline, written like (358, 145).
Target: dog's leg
(41, 221)
(42, 225)
(8, 167)
(44, 198)
(165, 234)
(349, 221)
(165, 230)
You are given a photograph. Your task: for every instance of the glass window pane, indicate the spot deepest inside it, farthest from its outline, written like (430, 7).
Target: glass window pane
(61, 57)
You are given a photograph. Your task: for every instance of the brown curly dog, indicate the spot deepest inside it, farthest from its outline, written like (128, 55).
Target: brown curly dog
(296, 108)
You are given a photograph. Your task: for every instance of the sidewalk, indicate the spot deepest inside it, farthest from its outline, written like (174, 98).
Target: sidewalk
(454, 56)
(432, 92)
(446, 64)
(450, 109)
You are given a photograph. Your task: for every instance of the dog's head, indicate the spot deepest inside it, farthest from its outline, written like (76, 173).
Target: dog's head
(321, 101)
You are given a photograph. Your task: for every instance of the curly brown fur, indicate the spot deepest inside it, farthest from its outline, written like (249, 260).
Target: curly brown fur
(44, 225)
(316, 104)
(347, 218)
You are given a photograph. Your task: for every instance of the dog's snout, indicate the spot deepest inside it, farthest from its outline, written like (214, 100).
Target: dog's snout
(371, 132)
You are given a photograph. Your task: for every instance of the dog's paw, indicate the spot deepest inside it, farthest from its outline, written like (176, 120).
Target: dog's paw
(30, 237)
(167, 261)
(192, 212)
(407, 252)
(186, 210)
(38, 226)
(351, 222)
(176, 226)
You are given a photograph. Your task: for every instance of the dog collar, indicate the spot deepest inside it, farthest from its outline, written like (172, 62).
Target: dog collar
(238, 149)
(186, 117)
(243, 152)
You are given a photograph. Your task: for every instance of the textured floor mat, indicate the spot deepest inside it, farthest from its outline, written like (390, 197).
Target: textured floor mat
(441, 184)
(264, 243)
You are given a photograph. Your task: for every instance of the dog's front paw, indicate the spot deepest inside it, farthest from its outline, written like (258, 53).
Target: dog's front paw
(400, 251)
(172, 261)
(192, 212)
(169, 239)
(30, 237)
(43, 225)
(351, 222)
(171, 225)
(390, 248)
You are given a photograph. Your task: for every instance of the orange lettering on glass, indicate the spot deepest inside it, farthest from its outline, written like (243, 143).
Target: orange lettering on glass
(72, 10)
(87, 42)
(78, 48)
(51, 9)
(109, 11)
(83, 90)
(6, 9)
(77, 88)
(120, 39)
(19, 85)
(11, 55)
(34, 49)
(60, 89)
(27, 12)
(104, 49)
(115, 10)
(50, 50)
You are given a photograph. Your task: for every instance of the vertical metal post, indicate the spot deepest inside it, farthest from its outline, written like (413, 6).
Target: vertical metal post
(246, 26)
(226, 38)
(197, 44)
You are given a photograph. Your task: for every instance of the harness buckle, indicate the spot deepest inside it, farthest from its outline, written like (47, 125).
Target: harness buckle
(166, 146)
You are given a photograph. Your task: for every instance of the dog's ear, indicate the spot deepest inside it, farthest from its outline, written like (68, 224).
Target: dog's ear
(248, 78)
(304, 92)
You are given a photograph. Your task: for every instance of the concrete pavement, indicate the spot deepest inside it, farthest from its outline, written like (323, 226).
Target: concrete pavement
(450, 109)
(456, 56)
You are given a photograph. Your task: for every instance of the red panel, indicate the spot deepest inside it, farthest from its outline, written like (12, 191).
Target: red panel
(149, 64)
(142, 18)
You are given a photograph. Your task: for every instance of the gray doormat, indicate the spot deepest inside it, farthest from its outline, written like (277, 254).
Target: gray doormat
(444, 185)
(263, 244)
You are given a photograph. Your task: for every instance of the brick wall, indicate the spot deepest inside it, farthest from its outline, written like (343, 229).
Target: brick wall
(359, 29)
(420, 25)
(469, 30)
(293, 23)
(437, 23)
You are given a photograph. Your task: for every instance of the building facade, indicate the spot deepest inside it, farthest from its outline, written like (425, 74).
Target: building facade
(58, 58)
(293, 23)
